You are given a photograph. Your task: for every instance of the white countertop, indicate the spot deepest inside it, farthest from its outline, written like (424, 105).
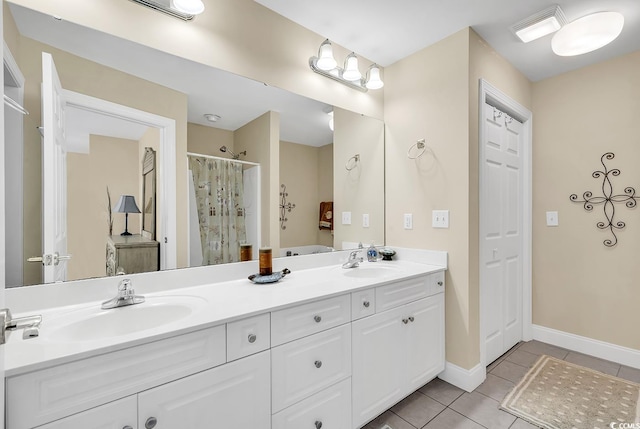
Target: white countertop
(218, 303)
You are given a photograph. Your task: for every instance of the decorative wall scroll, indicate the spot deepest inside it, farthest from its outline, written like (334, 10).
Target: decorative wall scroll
(608, 200)
(284, 206)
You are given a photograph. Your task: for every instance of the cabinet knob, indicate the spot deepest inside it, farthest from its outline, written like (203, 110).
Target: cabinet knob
(318, 363)
(252, 338)
(405, 321)
(366, 304)
(127, 427)
(318, 424)
(411, 318)
(318, 319)
(440, 283)
(151, 423)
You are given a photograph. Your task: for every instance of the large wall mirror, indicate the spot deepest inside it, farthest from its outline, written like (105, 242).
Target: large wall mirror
(206, 109)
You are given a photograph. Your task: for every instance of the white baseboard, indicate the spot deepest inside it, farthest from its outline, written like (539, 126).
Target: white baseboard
(466, 379)
(619, 354)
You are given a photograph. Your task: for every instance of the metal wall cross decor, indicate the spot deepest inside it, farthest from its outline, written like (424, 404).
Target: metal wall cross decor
(608, 200)
(284, 207)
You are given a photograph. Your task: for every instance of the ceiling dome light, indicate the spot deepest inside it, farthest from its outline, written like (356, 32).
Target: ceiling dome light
(374, 81)
(587, 34)
(192, 7)
(351, 71)
(212, 117)
(326, 61)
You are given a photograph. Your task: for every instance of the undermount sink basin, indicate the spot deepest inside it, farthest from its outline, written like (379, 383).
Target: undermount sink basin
(370, 271)
(93, 323)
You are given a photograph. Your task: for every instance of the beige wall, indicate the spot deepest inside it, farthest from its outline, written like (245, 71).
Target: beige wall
(325, 189)
(261, 139)
(240, 36)
(111, 163)
(93, 79)
(433, 95)
(579, 285)
(360, 190)
(299, 172)
(208, 140)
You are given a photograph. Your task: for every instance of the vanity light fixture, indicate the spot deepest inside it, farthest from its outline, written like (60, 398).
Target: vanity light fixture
(587, 34)
(326, 65)
(539, 24)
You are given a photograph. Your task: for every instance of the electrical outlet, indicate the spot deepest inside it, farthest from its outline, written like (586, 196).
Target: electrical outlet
(346, 218)
(408, 221)
(552, 218)
(365, 220)
(440, 218)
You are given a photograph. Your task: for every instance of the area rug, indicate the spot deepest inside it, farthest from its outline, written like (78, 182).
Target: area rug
(555, 394)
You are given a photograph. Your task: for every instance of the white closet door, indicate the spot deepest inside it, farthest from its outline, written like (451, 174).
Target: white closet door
(501, 232)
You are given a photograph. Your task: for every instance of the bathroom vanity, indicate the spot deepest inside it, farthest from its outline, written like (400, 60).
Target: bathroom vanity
(323, 348)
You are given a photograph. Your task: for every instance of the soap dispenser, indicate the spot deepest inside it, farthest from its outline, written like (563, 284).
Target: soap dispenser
(372, 253)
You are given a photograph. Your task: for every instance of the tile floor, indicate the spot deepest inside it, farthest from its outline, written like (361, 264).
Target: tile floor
(439, 405)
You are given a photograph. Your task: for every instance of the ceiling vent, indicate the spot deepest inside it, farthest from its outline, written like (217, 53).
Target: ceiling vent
(539, 24)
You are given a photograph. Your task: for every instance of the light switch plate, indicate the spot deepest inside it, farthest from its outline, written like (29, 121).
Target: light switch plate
(408, 221)
(552, 218)
(440, 218)
(365, 220)
(346, 218)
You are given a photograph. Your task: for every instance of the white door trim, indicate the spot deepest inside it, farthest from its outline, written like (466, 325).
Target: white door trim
(493, 96)
(166, 167)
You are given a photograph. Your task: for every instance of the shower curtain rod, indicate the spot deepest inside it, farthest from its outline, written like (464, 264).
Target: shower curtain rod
(223, 159)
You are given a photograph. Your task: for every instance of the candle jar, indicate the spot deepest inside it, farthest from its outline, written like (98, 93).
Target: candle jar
(246, 252)
(265, 261)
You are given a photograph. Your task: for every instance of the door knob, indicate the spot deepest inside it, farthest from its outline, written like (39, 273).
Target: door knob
(318, 319)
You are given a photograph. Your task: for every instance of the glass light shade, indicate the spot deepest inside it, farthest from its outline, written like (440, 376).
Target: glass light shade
(587, 34)
(326, 61)
(374, 81)
(351, 71)
(192, 7)
(539, 29)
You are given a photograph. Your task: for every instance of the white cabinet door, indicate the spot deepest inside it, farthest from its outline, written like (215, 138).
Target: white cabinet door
(377, 371)
(233, 396)
(120, 414)
(424, 350)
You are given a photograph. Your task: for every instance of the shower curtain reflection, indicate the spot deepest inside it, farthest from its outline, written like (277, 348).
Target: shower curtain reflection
(218, 187)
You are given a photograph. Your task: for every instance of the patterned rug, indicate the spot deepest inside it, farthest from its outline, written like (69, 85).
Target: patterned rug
(555, 394)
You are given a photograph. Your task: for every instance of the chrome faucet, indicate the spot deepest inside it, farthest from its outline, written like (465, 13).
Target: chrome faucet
(126, 296)
(353, 261)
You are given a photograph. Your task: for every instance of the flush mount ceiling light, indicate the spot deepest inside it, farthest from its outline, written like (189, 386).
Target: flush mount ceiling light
(539, 24)
(587, 34)
(211, 117)
(183, 9)
(326, 65)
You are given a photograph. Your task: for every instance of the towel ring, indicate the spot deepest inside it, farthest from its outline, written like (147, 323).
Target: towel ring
(351, 165)
(420, 145)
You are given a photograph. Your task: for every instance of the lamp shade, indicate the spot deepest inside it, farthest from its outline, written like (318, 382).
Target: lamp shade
(326, 61)
(351, 71)
(374, 81)
(126, 204)
(587, 34)
(192, 7)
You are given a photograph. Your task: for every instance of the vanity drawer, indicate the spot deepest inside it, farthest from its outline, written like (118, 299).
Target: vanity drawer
(248, 336)
(436, 283)
(363, 303)
(297, 322)
(330, 408)
(401, 292)
(49, 394)
(306, 366)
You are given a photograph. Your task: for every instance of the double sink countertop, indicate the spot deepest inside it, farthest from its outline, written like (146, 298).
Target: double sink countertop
(183, 301)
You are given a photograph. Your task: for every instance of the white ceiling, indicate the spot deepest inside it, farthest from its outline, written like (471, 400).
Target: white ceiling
(386, 31)
(236, 99)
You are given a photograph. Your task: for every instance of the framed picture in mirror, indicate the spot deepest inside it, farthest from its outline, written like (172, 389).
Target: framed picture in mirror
(149, 193)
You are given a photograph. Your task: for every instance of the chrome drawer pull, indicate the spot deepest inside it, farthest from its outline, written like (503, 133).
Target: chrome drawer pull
(411, 318)
(318, 363)
(405, 321)
(440, 283)
(318, 424)
(151, 423)
(366, 304)
(318, 319)
(252, 338)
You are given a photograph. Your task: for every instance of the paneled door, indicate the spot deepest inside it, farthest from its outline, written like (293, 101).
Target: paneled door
(501, 231)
